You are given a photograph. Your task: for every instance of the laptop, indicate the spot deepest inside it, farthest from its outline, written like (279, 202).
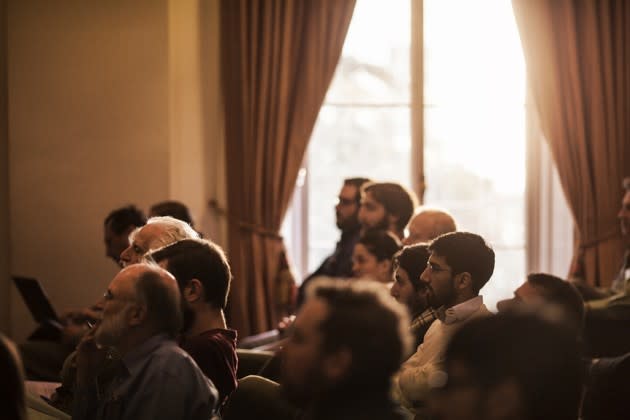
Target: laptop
(38, 304)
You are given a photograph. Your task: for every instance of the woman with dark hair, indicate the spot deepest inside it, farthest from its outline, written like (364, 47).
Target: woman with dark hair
(372, 255)
(12, 383)
(408, 290)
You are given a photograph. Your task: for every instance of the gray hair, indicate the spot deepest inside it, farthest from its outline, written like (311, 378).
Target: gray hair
(174, 230)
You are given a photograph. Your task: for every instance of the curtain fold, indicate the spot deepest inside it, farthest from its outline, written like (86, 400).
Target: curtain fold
(278, 59)
(578, 64)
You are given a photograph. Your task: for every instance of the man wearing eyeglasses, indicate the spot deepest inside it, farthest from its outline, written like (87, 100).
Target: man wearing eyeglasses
(459, 265)
(339, 263)
(155, 377)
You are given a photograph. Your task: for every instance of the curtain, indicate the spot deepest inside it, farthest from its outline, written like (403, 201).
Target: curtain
(278, 59)
(578, 64)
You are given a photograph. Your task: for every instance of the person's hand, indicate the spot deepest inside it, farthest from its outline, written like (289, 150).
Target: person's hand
(73, 331)
(285, 323)
(89, 358)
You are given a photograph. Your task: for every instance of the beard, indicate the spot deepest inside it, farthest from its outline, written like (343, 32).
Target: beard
(302, 391)
(111, 329)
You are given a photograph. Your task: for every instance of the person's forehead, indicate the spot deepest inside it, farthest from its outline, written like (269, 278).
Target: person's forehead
(313, 312)
(124, 281)
(348, 192)
(437, 259)
(148, 233)
(527, 291)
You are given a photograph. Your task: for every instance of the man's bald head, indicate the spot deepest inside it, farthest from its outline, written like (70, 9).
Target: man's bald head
(142, 300)
(428, 224)
(157, 233)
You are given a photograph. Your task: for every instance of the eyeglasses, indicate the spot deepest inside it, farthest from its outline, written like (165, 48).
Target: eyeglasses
(346, 201)
(434, 268)
(108, 296)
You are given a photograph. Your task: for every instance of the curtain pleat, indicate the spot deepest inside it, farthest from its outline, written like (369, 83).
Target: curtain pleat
(278, 59)
(578, 64)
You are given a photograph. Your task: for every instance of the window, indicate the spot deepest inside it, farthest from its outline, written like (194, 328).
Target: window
(474, 126)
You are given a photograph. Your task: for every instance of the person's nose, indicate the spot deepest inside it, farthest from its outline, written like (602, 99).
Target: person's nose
(125, 256)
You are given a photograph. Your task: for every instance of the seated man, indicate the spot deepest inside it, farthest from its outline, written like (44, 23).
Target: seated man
(459, 265)
(407, 289)
(614, 299)
(156, 378)
(549, 290)
(158, 232)
(386, 205)
(118, 225)
(510, 366)
(428, 224)
(339, 263)
(332, 365)
(203, 276)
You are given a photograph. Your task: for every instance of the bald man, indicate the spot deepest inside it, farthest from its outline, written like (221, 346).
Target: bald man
(155, 378)
(428, 224)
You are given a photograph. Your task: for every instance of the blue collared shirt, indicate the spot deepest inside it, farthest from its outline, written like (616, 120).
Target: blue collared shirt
(157, 380)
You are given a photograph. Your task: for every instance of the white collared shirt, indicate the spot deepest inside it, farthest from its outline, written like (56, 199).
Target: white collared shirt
(411, 384)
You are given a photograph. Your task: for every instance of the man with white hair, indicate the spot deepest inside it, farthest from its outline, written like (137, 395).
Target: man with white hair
(158, 232)
(155, 377)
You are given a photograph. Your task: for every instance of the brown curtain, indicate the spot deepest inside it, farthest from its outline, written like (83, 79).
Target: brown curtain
(578, 64)
(278, 58)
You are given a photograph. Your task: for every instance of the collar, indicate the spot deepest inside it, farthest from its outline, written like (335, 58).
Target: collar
(134, 360)
(461, 311)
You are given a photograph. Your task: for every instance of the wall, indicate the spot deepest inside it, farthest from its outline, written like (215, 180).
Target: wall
(5, 285)
(103, 111)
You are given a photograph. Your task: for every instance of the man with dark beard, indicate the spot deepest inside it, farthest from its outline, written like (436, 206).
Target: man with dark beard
(155, 377)
(203, 276)
(339, 263)
(333, 367)
(386, 205)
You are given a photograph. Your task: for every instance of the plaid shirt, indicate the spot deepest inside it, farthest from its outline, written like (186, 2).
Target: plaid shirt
(424, 320)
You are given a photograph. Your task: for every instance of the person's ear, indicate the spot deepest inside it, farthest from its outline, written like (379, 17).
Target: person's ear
(337, 364)
(136, 314)
(193, 291)
(385, 267)
(463, 281)
(392, 221)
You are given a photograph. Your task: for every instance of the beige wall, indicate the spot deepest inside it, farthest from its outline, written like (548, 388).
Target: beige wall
(104, 109)
(5, 285)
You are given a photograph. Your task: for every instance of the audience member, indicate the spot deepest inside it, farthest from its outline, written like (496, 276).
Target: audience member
(156, 378)
(158, 232)
(428, 224)
(386, 205)
(203, 276)
(12, 383)
(172, 208)
(117, 226)
(511, 366)
(372, 255)
(607, 389)
(409, 263)
(333, 367)
(459, 265)
(615, 298)
(339, 263)
(549, 290)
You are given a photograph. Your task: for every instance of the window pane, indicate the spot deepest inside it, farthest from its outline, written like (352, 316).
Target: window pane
(479, 62)
(374, 67)
(351, 142)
